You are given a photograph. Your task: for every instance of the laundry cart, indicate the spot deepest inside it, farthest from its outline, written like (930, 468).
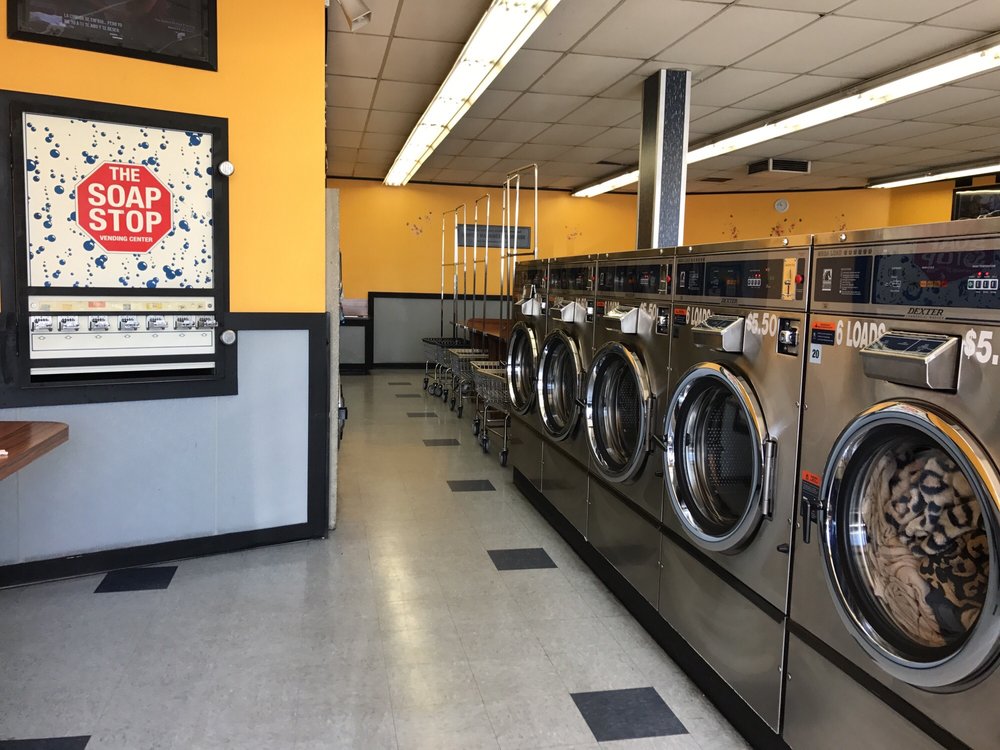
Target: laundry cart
(493, 405)
(459, 367)
(436, 363)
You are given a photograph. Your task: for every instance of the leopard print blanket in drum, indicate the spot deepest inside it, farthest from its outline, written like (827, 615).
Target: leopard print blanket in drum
(927, 555)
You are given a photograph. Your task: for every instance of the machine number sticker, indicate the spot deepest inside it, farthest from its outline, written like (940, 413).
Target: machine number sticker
(815, 354)
(979, 344)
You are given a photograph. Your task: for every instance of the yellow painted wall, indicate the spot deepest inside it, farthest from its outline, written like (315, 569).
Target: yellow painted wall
(270, 85)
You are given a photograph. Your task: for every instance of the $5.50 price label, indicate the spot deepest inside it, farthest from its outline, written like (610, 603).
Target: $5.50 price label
(763, 324)
(979, 345)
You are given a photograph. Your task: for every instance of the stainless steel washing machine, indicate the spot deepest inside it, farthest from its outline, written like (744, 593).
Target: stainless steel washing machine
(528, 326)
(731, 433)
(626, 386)
(563, 359)
(894, 622)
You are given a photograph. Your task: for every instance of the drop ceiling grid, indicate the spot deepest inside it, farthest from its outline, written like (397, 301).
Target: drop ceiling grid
(570, 97)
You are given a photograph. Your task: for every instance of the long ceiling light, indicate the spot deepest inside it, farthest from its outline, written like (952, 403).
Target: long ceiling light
(501, 32)
(608, 185)
(915, 83)
(952, 174)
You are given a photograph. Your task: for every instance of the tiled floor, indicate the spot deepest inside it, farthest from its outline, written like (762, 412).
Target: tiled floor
(397, 632)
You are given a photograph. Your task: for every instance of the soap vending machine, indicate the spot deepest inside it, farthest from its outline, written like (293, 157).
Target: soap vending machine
(118, 257)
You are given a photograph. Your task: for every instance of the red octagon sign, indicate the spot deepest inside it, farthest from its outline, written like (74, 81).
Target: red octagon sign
(124, 207)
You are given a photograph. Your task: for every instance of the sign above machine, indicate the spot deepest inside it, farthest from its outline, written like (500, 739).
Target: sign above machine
(124, 207)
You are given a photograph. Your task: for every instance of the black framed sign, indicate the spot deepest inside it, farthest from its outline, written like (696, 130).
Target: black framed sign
(180, 32)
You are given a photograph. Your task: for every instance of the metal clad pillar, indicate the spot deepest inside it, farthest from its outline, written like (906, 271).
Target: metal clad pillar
(663, 158)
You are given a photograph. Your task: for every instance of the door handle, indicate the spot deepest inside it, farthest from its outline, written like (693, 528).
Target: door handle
(767, 484)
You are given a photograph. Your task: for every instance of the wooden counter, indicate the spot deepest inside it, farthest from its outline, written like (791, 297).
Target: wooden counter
(495, 327)
(27, 441)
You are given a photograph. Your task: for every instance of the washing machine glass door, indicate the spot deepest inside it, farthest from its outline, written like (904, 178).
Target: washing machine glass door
(618, 412)
(909, 539)
(521, 358)
(718, 462)
(559, 376)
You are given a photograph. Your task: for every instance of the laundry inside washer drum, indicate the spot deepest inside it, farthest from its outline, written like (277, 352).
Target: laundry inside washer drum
(917, 540)
(618, 407)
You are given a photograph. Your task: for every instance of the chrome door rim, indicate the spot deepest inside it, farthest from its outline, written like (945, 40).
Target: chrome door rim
(557, 338)
(521, 402)
(978, 652)
(636, 368)
(744, 529)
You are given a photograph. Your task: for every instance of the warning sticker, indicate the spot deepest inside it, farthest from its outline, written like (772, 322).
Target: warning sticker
(824, 333)
(814, 479)
(680, 316)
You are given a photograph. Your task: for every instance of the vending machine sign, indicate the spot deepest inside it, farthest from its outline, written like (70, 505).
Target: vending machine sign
(124, 207)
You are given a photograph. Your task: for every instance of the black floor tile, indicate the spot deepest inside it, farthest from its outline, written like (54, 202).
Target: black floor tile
(521, 559)
(627, 714)
(471, 485)
(51, 743)
(417, 414)
(400, 382)
(137, 579)
(408, 395)
(440, 442)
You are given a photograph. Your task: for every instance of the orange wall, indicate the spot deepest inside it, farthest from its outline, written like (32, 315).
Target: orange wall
(270, 85)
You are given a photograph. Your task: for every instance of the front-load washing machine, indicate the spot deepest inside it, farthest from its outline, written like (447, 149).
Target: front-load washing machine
(626, 385)
(731, 433)
(528, 325)
(894, 626)
(563, 359)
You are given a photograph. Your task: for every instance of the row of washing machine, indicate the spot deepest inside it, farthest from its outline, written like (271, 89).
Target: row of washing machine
(788, 448)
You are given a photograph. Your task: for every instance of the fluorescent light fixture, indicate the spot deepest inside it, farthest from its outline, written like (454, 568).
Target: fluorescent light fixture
(952, 174)
(501, 32)
(612, 183)
(914, 83)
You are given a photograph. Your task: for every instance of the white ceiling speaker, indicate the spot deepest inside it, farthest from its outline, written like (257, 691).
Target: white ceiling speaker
(357, 13)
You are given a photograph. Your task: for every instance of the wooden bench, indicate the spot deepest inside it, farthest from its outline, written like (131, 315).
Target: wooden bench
(28, 441)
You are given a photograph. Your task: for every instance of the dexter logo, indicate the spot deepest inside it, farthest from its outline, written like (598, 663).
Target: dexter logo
(926, 312)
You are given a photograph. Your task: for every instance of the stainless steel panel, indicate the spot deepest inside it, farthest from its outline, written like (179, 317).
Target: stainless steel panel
(566, 485)
(525, 448)
(826, 710)
(723, 333)
(936, 369)
(628, 541)
(734, 636)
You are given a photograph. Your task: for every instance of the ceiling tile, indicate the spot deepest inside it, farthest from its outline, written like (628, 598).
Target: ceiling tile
(989, 143)
(955, 135)
(629, 87)
(453, 145)
(567, 169)
(820, 43)
(342, 118)
(822, 151)
(492, 179)
(346, 91)
(798, 91)
(777, 147)
(438, 160)
(736, 33)
(384, 141)
(589, 154)
(340, 168)
(348, 138)
(383, 16)
(355, 54)
(586, 75)
(458, 176)
(340, 153)
(425, 173)
(370, 170)
(891, 132)
(913, 11)
(928, 103)
(898, 51)
(496, 149)
(566, 183)
(539, 151)
(985, 108)
(626, 156)
(876, 155)
(568, 23)
(375, 156)
(435, 60)
(479, 163)
(633, 26)
(396, 96)
(927, 156)
(989, 81)
(398, 123)
(445, 21)
(728, 118)
(470, 127)
(509, 130)
(604, 112)
(981, 16)
(492, 102)
(733, 84)
(616, 138)
(542, 107)
(569, 135)
(526, 67)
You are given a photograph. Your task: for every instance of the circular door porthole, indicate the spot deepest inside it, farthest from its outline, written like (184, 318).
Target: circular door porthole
(910, 544)
(618, 408)
(558, 384)
(714, 458)
(521, 358)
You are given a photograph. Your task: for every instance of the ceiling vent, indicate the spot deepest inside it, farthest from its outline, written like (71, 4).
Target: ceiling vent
(793, 166)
